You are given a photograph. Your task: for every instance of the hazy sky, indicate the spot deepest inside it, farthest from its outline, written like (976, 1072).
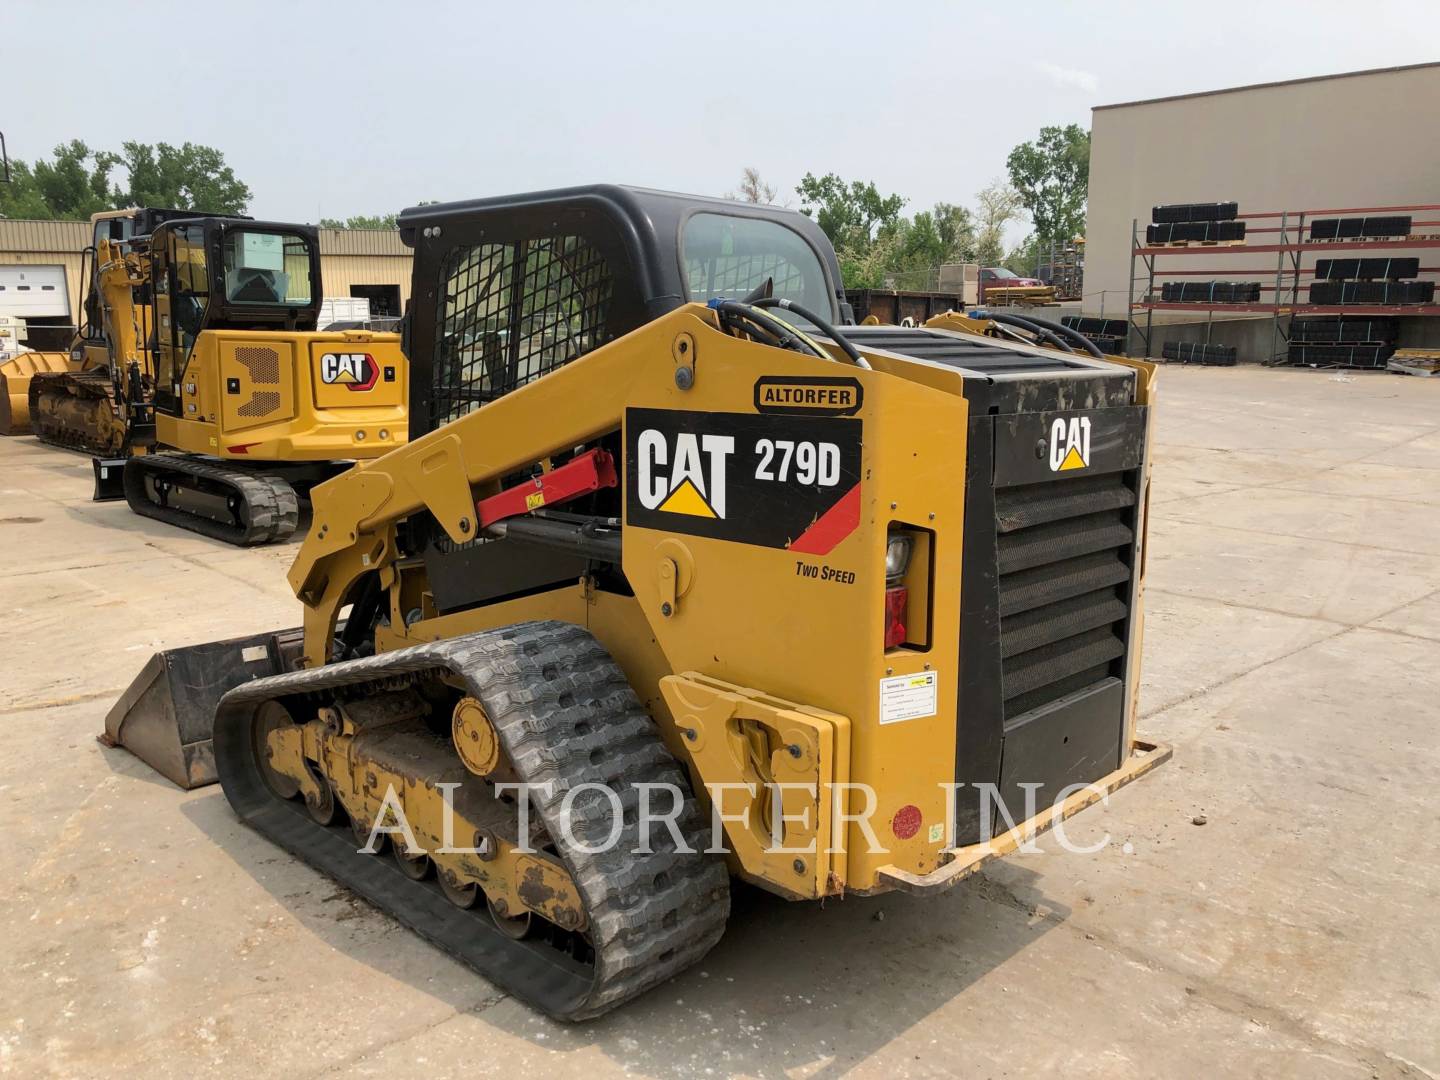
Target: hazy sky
(363, 107)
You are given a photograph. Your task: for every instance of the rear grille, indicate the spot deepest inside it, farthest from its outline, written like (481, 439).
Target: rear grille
(261, 403)
(1064, 548)
(262, 363)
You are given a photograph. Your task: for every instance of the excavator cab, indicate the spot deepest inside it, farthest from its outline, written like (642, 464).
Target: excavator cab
(220, 274)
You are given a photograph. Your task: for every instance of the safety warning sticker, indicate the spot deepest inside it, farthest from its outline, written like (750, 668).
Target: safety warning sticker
(908, 697)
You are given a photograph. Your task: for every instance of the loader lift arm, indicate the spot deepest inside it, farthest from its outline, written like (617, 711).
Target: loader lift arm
(354, 527)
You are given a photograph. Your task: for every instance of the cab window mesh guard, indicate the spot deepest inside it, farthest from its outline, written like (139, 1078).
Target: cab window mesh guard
(511, 313)
(731, 277)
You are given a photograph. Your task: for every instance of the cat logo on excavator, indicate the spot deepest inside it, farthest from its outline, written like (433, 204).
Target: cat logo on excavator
(354, 371)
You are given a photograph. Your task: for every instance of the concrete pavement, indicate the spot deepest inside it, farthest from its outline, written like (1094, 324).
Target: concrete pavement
(1292, 632)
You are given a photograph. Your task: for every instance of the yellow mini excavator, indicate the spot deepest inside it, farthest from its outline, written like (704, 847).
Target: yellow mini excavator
(208, 396)
(78, 406)
(864, 601)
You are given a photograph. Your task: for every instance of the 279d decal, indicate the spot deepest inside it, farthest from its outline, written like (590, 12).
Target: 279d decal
(775, 481)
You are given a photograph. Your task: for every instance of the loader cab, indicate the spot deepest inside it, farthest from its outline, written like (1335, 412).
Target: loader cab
(227, 274)
(508, 289)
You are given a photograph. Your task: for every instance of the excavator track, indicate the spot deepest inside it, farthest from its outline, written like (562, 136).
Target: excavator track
(76, 410)
(235, 505)
(563, 713)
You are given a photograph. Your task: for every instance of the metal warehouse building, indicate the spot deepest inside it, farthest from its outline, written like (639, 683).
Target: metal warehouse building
(1350, 142)
(40, 273)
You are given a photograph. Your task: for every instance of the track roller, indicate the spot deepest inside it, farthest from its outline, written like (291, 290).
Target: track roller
(562, 714)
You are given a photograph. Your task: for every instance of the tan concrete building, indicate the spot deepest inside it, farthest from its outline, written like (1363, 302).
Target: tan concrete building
(1361, 139)
(40, 272)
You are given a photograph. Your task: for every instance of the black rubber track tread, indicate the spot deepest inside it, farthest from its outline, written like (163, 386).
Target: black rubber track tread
(566, 714)
(272, 507)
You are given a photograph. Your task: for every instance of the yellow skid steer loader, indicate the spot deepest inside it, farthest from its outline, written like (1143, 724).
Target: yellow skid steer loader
(672, 541)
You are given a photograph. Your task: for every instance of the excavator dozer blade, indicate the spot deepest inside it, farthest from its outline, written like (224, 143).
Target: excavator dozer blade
(166, 715)
(109, 479)
(15, 376)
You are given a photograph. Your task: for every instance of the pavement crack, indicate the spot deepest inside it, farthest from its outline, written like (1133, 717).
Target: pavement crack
(1300, 536)
(1258, 607)
(1211, 688)
(1237, 1003)
(348, 1064)
(209, 567)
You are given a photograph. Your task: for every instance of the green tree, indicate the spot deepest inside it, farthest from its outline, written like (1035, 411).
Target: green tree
(189, 176)
(369, 221)
(77, 181)
(956, 228)
(1052, 177)
(849, 213)
(997, 204)
(1024, 258)
(933, 237)
(73, 185)
(360, 221)
(864, 226)
(872, 265)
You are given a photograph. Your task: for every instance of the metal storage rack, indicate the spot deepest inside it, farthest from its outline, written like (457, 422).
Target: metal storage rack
(1283, 233)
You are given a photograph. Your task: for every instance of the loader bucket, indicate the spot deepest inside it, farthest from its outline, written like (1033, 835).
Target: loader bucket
(166, 716)
(15, 387)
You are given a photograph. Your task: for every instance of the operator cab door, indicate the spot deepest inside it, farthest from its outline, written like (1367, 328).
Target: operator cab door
(182, 286)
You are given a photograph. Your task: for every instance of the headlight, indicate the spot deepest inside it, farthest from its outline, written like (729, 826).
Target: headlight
(897, 556)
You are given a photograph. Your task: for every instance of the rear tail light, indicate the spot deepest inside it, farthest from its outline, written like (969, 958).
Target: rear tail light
(896, 597)
(897, 556)
(898, 549)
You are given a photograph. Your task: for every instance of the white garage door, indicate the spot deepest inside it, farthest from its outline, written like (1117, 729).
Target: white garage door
(32, 292)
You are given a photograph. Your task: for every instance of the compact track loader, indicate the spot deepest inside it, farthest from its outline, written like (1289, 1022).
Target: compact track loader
(211, 401)
(859, 599)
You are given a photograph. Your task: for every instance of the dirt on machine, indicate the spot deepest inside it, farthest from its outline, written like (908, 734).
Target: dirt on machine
(200, 384)
(860, 607)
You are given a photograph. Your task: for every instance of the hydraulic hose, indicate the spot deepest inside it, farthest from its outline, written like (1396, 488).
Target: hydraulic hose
(785, 336)
(1040, 332)
(829, 331)
(1073, 334)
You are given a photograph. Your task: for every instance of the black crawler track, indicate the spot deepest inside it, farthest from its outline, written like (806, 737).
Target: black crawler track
(268, 506)
(565, 714)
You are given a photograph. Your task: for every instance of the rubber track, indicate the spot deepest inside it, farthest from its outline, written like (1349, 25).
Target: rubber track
(273, 509)
(565, 714)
